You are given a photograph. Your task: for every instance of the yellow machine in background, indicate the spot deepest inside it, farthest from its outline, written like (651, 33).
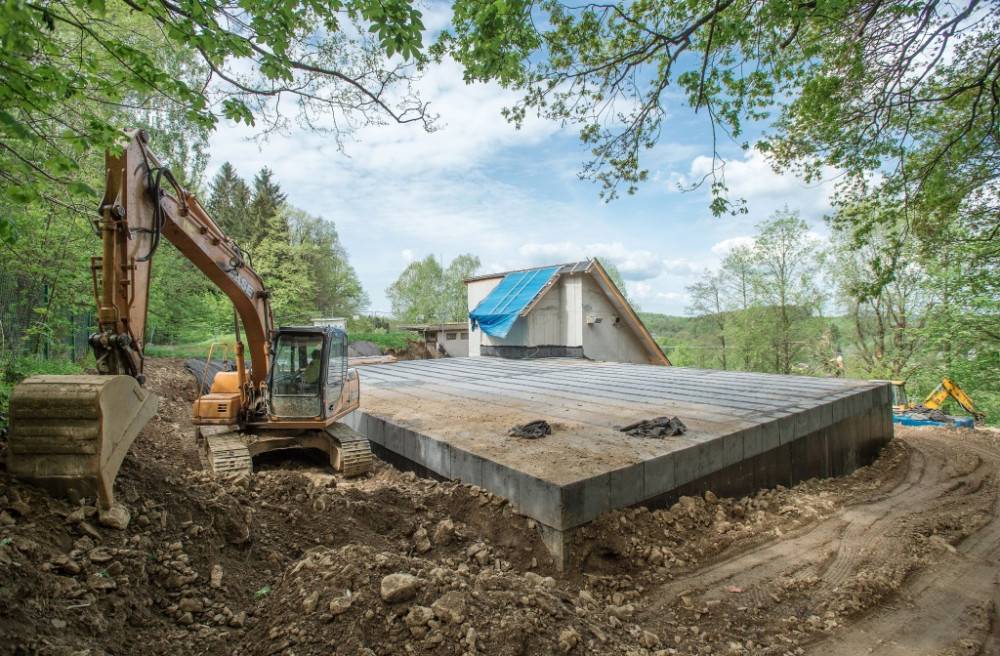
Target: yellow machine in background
(946, 389)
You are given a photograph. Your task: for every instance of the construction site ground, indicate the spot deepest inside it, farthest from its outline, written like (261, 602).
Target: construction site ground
(898, 558)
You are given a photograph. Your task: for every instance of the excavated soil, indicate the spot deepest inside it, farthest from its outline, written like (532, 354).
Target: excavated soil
(899, 558)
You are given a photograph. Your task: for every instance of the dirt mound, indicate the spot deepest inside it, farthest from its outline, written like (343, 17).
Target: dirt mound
(362, 348)
(296, 560)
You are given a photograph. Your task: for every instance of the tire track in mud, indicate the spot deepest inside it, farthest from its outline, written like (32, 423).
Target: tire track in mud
(809, 545)
(935, 612)
(818, 567)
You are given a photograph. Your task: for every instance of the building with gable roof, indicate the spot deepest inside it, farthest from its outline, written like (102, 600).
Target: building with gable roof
(566, 310)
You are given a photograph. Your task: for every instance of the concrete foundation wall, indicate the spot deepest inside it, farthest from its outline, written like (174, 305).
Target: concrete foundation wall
(846, 435)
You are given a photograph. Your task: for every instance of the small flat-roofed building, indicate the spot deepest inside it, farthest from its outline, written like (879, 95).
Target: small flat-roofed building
(336, 322)
(444, 339)
(565, 310)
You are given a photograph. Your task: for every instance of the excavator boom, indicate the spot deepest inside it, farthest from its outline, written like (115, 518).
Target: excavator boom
(70, 433)
(948, 388)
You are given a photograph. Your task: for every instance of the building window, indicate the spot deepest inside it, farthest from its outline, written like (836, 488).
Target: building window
(465, 335)
(452, 336)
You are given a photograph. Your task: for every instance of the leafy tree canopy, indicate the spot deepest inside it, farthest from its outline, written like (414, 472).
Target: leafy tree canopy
(75, 72)
(427, 292)
(908, 89)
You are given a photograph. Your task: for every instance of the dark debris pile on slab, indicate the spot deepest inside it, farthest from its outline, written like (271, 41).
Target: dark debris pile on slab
(657, 427)
(531, 430)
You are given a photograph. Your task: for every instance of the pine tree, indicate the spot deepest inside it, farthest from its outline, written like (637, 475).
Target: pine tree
(267, 200)
(229, 203)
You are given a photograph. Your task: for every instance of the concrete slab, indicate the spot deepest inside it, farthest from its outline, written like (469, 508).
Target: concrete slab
(451, 416)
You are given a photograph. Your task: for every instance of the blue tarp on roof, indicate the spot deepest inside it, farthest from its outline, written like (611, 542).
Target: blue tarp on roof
(495, 315)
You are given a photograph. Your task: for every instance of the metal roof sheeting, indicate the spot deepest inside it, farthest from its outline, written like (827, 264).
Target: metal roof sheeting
(495, 315)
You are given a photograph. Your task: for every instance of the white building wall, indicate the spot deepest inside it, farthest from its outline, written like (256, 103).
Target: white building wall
(572, 310)
(609, 340)
(456, 348)
(476, 291)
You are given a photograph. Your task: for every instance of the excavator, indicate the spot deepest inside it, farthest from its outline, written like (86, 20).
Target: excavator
(929, 413)
(70, 434)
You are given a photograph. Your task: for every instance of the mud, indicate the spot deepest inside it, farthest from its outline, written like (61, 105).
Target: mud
(898, 558)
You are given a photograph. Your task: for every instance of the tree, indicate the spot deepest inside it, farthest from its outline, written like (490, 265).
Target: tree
(706, 302)
(75, 71)
(264, 220)
(455, 300)
(416, 293)
(738, 278)
(887, 295)
(337, 288)
(787, 269)
(229, 203)
(857, 85)
(425, 292)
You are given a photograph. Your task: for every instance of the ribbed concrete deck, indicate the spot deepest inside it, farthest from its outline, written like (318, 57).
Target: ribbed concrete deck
(745, 431)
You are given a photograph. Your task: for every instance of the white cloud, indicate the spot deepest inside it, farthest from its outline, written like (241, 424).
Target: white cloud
(658, 295)
(754, 179)
(407, 254)
(681, 267)
(633, 264)
(725, 246)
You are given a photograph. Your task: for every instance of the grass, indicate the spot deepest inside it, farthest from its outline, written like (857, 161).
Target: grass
(393, 339)
(193, 349)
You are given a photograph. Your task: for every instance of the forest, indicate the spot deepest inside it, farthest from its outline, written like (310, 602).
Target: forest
(789, 302)
(901, 99)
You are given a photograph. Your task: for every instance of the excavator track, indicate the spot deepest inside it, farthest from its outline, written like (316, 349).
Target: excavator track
(225, 454)
(355, 456)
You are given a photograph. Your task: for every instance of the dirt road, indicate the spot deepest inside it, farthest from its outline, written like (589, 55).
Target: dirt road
(899, 558)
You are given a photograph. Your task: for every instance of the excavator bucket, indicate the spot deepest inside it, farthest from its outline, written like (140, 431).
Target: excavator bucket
(72, 432)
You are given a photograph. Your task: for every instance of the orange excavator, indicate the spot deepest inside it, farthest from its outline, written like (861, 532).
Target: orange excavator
(70, 433)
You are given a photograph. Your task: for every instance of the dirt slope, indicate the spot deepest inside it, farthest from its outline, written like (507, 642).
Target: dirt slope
(899, 558)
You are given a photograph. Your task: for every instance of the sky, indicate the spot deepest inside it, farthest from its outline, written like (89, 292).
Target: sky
(513, 197)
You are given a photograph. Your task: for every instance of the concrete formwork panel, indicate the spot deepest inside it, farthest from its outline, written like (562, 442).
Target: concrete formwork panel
(451, 417)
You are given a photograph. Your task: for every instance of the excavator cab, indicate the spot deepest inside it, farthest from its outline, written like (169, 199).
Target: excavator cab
(309, 377)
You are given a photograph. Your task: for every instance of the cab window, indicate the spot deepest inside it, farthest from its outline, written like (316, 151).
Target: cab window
(297, 376)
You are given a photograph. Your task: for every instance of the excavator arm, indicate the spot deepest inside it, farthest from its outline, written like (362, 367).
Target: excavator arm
(949, 388)
(143, 203)
(70, 433)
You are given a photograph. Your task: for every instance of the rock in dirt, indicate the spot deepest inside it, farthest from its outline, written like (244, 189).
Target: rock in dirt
(116, 517)
(450, 607)
(417, 620)
(309, 603)
(191, 605)
(444, 532)
(340, 605)
(66, 564)
(100, 555)
(215, 577)
(539, 580)
(421, 542)
(568, 639)
(399, 587)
